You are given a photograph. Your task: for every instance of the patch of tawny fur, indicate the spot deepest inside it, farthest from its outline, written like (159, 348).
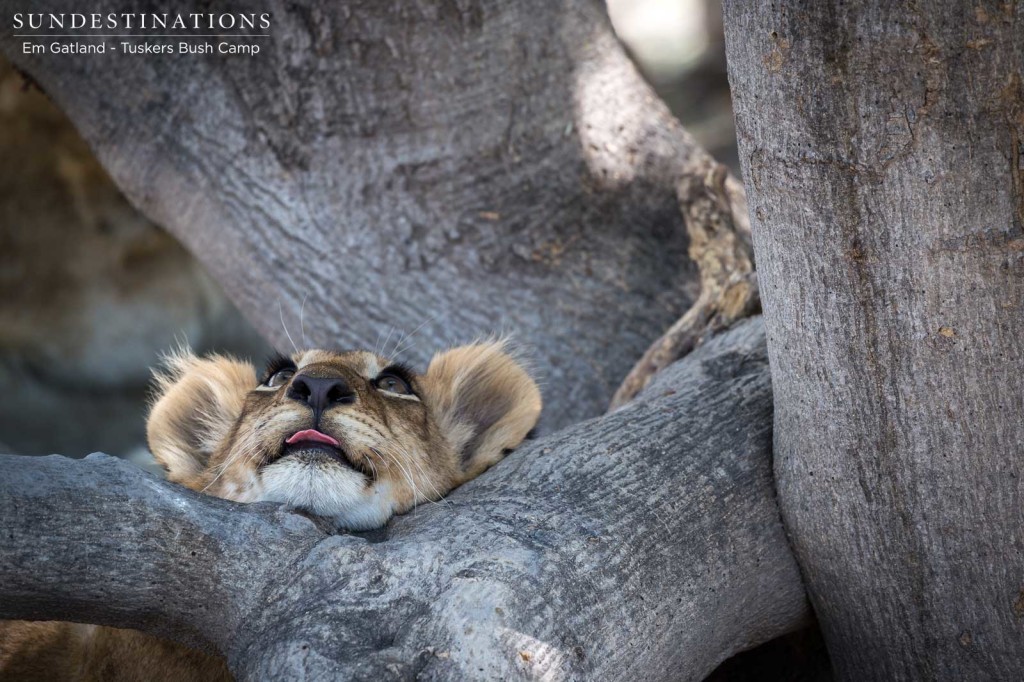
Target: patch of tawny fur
(482, 398)
(198, 400)
(71, 652)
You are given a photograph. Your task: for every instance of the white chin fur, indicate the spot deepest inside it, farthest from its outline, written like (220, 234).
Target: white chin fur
(328, 491)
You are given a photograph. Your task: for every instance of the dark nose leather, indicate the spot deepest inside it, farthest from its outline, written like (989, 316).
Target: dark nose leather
(320, 393)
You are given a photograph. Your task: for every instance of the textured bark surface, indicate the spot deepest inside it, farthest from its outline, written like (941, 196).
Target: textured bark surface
(645, 543)
(467, 166)
(719, 231)
(881, 143)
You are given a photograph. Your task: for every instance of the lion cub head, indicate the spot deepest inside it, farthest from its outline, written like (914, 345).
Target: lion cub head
(347, 435)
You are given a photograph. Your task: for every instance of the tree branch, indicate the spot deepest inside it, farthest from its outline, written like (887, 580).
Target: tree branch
(465, 166)
(101, 541)
(715, 210)
(646, 540)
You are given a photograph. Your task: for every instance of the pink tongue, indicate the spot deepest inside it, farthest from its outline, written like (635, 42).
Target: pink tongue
(313, 435)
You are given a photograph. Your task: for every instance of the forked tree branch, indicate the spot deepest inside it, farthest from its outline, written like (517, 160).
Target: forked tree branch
(645, 543)
(715, 210)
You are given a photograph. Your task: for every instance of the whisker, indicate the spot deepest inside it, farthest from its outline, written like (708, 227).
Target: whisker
(376, 344)
(406, 345)
(412, 462)
(220, 469)
(388, 445)
(408, 477)
(302, 325)
(244, 452)
(384, 345)
(280, 312)
(401, 336)
(373, 468)
(223, 468)
(247, 451)
(440, 498)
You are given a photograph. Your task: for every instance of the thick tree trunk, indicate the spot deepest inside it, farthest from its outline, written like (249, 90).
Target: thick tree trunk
(466, 166)
(881, 143)
(644, 544)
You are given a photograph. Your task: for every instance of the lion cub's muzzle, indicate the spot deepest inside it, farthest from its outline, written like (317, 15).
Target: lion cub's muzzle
(312, 446)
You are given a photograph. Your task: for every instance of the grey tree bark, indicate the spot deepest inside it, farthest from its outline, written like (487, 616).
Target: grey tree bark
(470, 166)
(645, 543)
(881, 143)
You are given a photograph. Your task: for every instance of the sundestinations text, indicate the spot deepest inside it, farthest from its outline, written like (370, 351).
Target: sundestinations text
(141, 21)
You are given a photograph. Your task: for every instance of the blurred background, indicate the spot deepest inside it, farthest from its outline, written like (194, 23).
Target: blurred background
(91, 292)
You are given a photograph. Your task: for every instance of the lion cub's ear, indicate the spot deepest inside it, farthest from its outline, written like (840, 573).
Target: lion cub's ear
(197, 402)
(484, 401)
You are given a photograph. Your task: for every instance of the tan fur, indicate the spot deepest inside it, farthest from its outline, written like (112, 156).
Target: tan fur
(478, 383)
(52, 652)
(199, 400)
(217, 430)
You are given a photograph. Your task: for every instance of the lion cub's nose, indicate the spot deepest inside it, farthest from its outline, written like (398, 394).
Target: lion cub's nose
(320, 393)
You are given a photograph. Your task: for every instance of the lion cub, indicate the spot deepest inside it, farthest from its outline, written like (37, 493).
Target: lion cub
(349, 436)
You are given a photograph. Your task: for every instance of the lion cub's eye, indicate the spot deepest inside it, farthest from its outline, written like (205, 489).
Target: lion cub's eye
(280, 370)
(279, 378)
(392, 383)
